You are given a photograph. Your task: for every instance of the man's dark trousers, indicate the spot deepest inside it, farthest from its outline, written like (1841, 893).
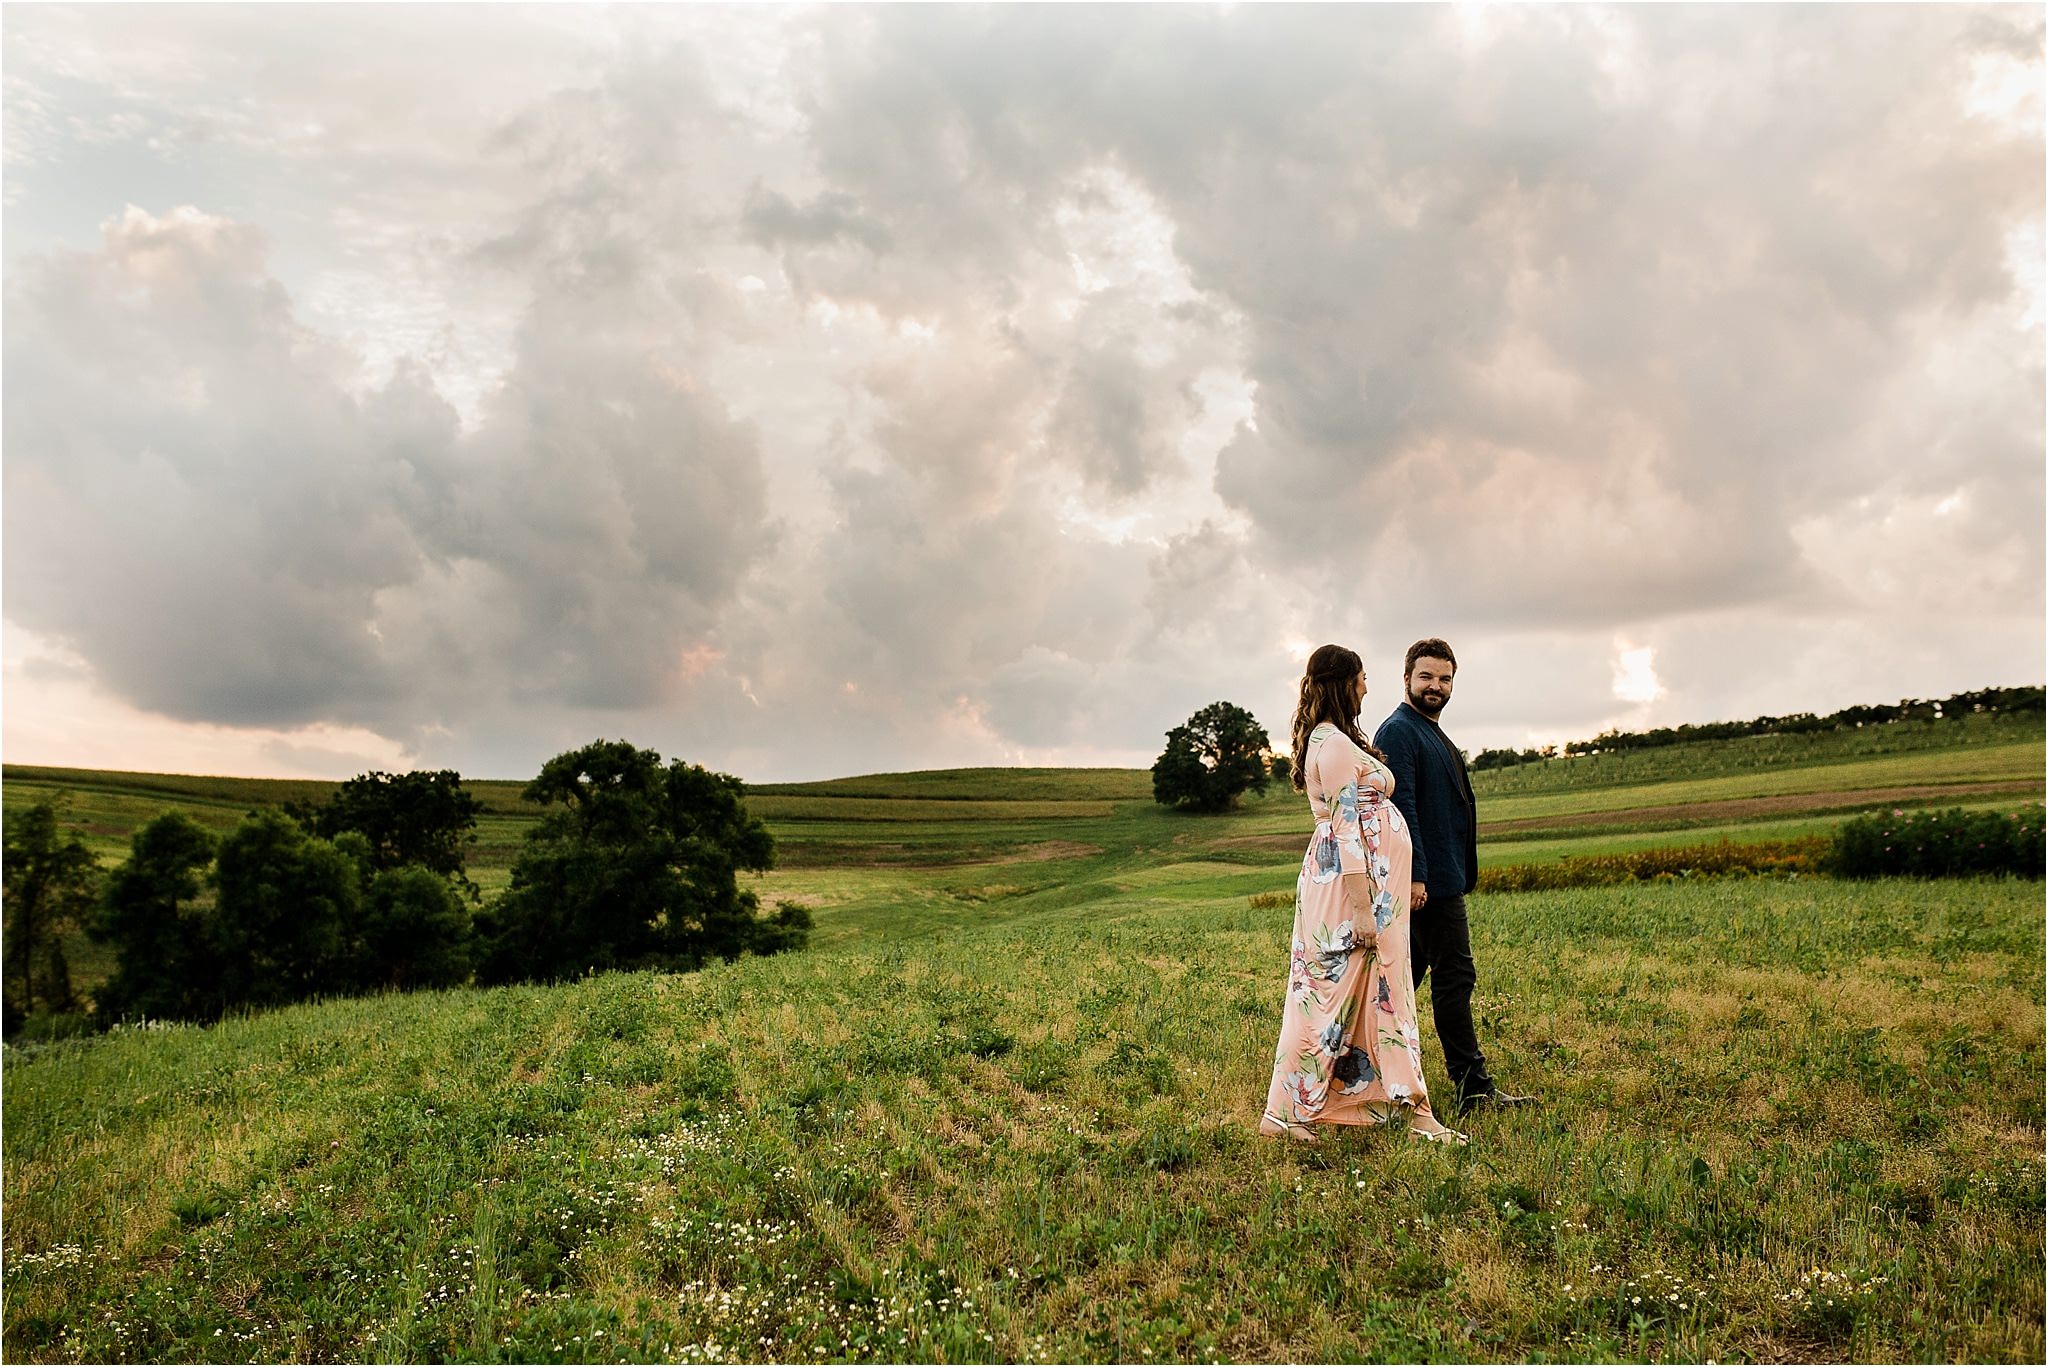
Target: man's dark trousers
(1440, 946)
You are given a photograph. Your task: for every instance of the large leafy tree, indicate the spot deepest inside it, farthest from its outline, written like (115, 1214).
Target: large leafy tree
(164, 967)
(51, 883)
(285, 910)
(1216, 755)
(414, 931)
(636, 865)
(421, 818)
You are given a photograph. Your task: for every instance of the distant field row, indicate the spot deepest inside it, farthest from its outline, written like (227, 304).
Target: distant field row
(774, 807)
(951, 818)
(1744, 754)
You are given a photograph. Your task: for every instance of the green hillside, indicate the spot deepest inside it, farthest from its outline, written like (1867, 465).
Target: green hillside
(1002, 1109)
(1810, 1113)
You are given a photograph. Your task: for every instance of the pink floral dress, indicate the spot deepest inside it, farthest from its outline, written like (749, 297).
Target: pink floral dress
(1349, 1048)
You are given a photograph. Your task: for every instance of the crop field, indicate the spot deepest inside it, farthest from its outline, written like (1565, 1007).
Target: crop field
(1002, 1109)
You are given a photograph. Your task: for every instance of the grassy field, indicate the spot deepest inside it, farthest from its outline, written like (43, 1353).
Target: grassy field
(1780, 1120)
(1003, 1110)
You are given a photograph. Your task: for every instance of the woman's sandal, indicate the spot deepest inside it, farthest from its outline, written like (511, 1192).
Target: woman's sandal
(1442, 1134)
(1274, 1127)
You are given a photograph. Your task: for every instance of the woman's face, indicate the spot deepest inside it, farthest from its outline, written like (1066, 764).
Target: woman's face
(1358, 691)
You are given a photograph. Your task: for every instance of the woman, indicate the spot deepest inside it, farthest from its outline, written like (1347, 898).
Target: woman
(1349, 1051)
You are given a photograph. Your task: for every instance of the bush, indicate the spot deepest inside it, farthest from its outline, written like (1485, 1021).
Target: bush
(1688, 861)
(1949, 844)
(47, 1027)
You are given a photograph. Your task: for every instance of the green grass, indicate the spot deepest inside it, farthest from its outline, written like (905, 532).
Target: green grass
(1751, 754)
(980, 785)
(2018, 762)
(1032, 1139)
(1003, 1110)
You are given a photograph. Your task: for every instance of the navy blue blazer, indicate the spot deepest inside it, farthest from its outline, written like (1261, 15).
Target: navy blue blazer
(1434, 793)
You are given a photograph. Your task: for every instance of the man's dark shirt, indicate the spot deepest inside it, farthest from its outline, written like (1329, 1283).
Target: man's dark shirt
(1434, 794)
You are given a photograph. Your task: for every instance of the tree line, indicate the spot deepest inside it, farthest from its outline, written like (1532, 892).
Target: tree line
(633, 865)
(2010, 701)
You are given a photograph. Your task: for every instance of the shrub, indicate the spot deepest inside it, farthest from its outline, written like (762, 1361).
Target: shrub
(1949, 844)
(1687, 861)
(47, 1027)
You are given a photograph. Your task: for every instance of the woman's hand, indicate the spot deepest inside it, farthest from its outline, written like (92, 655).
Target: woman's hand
(1358, 901)
(1418, 894)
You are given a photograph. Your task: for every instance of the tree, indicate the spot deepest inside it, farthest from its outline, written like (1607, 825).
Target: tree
(51, 882)
(1209, 761)
(164, 968)
(421, 818)
(636, 866)
(414, 931)
(285, 905)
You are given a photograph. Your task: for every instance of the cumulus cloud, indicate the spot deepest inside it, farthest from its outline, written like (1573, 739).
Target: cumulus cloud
(202, 507)
(819, 390)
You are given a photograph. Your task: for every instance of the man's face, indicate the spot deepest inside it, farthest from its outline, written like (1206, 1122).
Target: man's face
(1429, 684)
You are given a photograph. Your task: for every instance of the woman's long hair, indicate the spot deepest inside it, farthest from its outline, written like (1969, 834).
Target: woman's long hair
(1325, 697)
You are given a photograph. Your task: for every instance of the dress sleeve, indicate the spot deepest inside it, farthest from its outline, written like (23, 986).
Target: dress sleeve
(1399, 744)
(1337, 765)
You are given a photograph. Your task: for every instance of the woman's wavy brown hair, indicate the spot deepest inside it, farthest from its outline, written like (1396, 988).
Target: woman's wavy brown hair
(1325, 697)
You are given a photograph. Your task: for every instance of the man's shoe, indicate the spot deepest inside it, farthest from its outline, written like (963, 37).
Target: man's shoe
(1491, 1099)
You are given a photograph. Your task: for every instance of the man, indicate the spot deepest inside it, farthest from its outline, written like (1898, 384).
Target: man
(1434, 793)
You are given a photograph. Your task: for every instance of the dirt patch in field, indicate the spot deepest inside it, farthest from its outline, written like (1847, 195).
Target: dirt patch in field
(825, 854)
(1044, 850)
(1294, 843)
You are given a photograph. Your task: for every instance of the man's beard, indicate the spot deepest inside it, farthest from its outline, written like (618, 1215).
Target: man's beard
(1428, 707)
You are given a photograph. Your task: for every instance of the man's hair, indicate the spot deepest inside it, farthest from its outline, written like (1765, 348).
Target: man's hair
(1435, 648)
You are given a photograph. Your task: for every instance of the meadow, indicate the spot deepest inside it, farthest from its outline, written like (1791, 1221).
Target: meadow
(1002, 1109)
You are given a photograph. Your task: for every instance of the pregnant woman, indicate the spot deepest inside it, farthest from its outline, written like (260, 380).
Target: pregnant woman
(1349, 1050)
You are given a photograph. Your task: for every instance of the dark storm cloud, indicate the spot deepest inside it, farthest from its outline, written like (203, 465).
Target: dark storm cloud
(199, 505)
(191, 499)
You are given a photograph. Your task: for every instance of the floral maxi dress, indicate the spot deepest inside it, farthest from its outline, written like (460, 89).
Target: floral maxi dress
(1349, 1048)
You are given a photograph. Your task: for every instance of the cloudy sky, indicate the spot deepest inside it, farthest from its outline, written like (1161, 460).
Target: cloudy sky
(818, 391)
